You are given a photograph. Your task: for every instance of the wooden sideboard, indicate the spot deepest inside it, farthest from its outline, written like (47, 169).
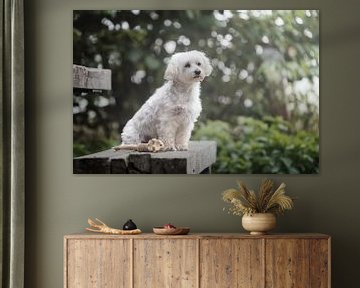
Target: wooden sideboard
(197, 260)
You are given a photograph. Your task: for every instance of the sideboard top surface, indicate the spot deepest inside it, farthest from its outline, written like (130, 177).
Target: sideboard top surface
(86, 235)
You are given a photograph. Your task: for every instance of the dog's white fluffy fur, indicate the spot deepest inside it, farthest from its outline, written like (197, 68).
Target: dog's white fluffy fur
(170, 113)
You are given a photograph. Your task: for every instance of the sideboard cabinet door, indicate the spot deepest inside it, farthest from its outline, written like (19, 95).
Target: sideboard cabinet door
(297, 263)
(231, 263)
(162, 263)
(98, 263)
(320, 263)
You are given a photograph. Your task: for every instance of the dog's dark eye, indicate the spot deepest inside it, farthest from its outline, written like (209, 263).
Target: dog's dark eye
(187, 65)
(199, 64)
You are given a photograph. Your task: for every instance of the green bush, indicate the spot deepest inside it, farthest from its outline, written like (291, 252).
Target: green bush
(266, 146)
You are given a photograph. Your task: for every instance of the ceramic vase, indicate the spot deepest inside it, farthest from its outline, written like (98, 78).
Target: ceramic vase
(259, 223)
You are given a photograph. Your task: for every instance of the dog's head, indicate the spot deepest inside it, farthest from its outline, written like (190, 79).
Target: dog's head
(188, 67)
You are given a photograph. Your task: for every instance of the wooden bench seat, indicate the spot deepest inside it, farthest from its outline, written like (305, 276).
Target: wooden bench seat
(198, 159)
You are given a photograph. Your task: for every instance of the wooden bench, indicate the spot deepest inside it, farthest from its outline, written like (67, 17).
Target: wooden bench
(91, 78)
(197, 160)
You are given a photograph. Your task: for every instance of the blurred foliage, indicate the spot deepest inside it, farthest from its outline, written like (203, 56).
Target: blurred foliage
(266, 64)
(263, 147)
(92, 145)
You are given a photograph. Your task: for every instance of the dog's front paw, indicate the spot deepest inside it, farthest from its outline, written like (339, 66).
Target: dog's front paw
(182, 147)
(169, 144)
(169, 148)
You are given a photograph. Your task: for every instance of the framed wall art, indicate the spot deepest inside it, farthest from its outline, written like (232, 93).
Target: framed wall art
(196, 91)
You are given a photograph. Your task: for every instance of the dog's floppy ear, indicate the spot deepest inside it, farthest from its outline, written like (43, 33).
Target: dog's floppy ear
(208, 68)
(171, 70)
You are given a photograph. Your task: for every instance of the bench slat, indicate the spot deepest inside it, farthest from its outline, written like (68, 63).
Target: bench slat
(200, 156)
(91, 78)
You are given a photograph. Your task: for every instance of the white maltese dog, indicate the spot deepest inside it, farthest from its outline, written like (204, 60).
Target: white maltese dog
(170, 113)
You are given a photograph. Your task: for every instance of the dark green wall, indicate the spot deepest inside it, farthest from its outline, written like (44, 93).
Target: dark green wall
(59, 202)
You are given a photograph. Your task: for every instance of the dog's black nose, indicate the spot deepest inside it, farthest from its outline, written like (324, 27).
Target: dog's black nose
(197, 72)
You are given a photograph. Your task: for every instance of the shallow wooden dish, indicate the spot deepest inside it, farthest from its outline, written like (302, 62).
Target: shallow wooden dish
(171, 231)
